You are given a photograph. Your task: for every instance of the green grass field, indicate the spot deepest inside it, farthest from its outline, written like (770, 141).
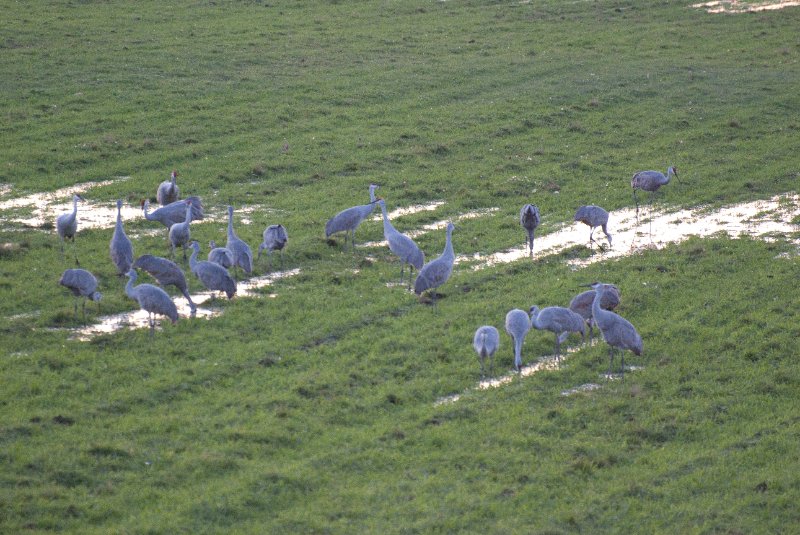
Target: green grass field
(313, 407)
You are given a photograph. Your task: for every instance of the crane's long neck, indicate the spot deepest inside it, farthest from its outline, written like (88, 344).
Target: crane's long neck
(129, 289)
(598, 311)
(193, 257)
(146, 207)
(230, 224)
(74, 206)
(448, 246)
(372, 194)
(188, 218)
(518, 351)
(535, 318)
(386, 224)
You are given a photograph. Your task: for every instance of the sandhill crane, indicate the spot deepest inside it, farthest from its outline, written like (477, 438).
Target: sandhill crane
(529, 219)
(220, 255)
(166, 272)
(557, 320)
(213, 276)
(179, 233)
(67, 224)
(174, 212)
(486, 342)
(168, 191)
(437, 271)
(581, 304)
(242, 256)
(594, 217)
(618, 332)
(275, 238)
(650, 181)
(349, 219)
(401, 245)
(121, 248)
(518, 323)
(151, 299)
(83, 285)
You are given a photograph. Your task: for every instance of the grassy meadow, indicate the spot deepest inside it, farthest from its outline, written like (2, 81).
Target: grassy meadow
(313, 407)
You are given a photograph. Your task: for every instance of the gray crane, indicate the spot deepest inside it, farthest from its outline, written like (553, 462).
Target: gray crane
(220, 255)
(486, 342)
(529, 219)
(121, 248)
(83, 285)
(275, 239)
(401, 245)
(168, 191)
(581, 304)
(437, 271)
(618, 332)
(179, 233)
(594, 217)
(651, 181)
(67, 224)
(213, 276)
(518, 323)
(557, 320)
(174, 212)
(242, 255)
(151, 299)
(349, 219)
(166, 272)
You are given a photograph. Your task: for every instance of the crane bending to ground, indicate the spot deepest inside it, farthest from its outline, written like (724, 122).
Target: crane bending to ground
(401, 245)
(557, 320)
(581, 304)
(518, 323)
(594, 217)
(618, 332)
(166, 272)
(213, 276)
(486, 342)
(83, 285)
(349, 219)
(151, 299)
(437, 271)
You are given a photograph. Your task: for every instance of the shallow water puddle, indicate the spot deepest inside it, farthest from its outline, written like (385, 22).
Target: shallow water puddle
(756, 219)
(46, 207)
(138, 319)
(735, 6)
(437, 225)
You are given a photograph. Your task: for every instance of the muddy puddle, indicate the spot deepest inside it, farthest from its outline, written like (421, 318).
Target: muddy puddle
(437, 225)
(203, 300)
(655, 229)
(736, 6)
(39, 209)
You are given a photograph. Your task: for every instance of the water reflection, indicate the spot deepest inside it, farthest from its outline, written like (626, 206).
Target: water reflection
(138, 319)
(735, 6)
(655, 229)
